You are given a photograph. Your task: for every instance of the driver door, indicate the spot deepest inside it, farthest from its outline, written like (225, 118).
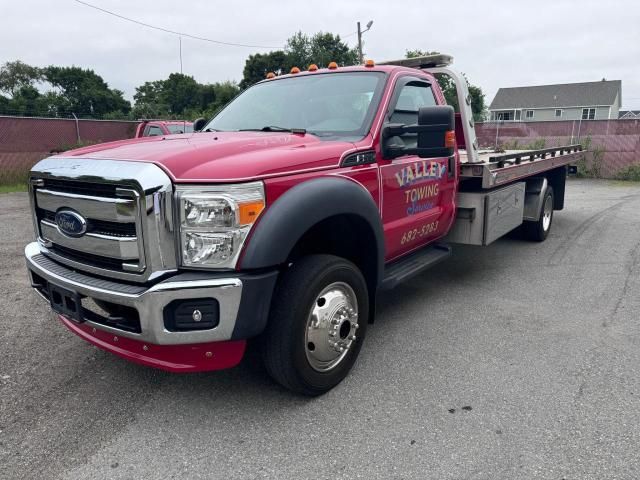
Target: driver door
(417, 193)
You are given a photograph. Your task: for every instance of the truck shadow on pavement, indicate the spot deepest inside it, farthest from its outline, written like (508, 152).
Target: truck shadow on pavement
(249, 382)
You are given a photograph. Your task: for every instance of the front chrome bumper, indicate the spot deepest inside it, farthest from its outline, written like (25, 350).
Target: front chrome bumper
(148, 301)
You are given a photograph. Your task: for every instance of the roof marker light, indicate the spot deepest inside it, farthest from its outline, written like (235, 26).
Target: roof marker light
(332, 66)
(271, 75)
(295, 70)
(313, 67)
(369, 63)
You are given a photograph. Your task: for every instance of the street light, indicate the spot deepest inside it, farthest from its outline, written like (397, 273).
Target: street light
(360, 32)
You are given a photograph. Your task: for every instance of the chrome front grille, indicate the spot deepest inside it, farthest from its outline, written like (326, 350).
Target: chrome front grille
(111, 223)
(127, 210)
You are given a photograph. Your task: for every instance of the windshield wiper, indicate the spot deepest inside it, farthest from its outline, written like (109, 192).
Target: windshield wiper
(275, 128)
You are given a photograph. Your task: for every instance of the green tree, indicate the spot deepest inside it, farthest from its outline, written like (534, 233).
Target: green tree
(147, 97)
(84, 92)
(300, 51)
(16, 75)
(181, 96)
(181, 92)
(26, 100)
(225, 92)
(448, 88)
(258, 65)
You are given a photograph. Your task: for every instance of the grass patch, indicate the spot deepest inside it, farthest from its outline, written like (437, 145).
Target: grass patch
(17, 187)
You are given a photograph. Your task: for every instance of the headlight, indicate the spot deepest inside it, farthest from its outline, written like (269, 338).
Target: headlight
(215, 221)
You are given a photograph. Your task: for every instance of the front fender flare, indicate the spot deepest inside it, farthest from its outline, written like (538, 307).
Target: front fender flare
(300, 208)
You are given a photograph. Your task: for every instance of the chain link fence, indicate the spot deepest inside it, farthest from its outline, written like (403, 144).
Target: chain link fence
(614, 145)
(25, 140)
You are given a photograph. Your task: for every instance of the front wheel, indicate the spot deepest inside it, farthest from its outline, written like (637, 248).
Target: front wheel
(317, 324)
(539, 230)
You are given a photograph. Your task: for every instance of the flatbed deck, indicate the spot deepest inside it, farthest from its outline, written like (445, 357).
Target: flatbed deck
(501, 168)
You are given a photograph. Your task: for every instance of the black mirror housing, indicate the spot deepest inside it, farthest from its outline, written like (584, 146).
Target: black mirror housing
(436, 137)
(435, 131)
(199, 123)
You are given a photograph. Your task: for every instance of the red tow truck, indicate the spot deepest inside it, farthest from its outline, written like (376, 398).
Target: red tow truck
(158, 128)
(279, 220)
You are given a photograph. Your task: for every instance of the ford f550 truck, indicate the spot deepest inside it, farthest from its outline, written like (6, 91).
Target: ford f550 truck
(280, 220)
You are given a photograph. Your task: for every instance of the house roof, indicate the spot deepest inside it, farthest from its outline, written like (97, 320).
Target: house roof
(556, 96)
(629, 114)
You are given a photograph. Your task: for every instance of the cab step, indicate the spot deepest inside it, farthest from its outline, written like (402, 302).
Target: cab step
(413, 264)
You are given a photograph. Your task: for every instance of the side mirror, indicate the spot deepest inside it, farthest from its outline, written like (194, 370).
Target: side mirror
(437, 137)
(199, 123)
(435, 132)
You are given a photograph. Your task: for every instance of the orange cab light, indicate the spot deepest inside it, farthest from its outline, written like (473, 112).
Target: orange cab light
(249, 212)
(333, 65)
(271, 75)
(313, 67)
(369, 63)
(450, 139)
(295, 70)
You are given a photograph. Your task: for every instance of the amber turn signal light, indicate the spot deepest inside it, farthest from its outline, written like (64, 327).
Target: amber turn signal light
(249, 212)
(333, 65)
(450, 139)
(295, 70)
(313, 67)
(369, 63)
(271, 75)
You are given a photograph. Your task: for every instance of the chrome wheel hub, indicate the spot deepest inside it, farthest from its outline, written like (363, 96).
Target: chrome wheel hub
(546, 213)
(331, 326)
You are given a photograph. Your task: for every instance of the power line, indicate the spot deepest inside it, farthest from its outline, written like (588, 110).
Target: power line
(174, 32)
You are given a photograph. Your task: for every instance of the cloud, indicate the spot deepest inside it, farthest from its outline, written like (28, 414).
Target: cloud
(496, 43)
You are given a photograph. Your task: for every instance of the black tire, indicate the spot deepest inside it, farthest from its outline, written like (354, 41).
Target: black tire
(538, 230)
(284, 347)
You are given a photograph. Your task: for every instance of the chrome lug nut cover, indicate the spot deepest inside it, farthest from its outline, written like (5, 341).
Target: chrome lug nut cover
(331, 326)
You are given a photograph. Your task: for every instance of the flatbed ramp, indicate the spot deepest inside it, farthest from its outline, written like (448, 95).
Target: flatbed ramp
(496, 169)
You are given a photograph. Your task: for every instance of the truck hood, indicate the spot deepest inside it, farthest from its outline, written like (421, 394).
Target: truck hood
(224, 156)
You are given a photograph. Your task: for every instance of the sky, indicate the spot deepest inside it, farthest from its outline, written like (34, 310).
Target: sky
(497, 43)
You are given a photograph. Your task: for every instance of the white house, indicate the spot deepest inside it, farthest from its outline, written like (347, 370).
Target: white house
(567, 101)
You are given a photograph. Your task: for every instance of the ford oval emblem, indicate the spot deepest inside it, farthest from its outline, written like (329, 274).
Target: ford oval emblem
(71, 223)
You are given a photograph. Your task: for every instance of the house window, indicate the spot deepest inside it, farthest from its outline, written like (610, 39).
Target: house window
(529, 114)
(558, 113)
(588, 114)
(504, 116)
(518, 114)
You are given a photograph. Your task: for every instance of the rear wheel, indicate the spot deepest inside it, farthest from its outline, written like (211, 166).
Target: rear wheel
(539, 230)
(317, 324)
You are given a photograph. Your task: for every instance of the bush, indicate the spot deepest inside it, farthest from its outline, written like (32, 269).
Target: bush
(591, 169)
(631, 173)
(537, 144)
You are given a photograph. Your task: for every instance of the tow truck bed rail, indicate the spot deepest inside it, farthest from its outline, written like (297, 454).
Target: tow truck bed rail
(497, 169)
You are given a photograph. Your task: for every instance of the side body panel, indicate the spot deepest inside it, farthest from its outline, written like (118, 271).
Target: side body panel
(418, 195)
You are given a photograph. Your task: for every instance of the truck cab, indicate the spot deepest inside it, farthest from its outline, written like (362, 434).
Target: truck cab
(279, 221)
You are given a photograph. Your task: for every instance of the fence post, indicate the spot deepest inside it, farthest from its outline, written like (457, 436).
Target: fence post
(77, 127)
(573, 126)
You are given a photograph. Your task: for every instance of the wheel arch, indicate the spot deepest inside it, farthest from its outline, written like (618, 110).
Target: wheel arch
(323, 215)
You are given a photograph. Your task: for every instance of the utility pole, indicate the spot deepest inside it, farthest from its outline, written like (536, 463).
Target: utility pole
(359, 45)
(360, 32)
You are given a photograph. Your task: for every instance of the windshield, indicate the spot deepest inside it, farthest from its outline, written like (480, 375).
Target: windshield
(334, 104)
(180, 128)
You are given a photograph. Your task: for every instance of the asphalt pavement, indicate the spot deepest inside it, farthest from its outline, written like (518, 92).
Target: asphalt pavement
(514, 361)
